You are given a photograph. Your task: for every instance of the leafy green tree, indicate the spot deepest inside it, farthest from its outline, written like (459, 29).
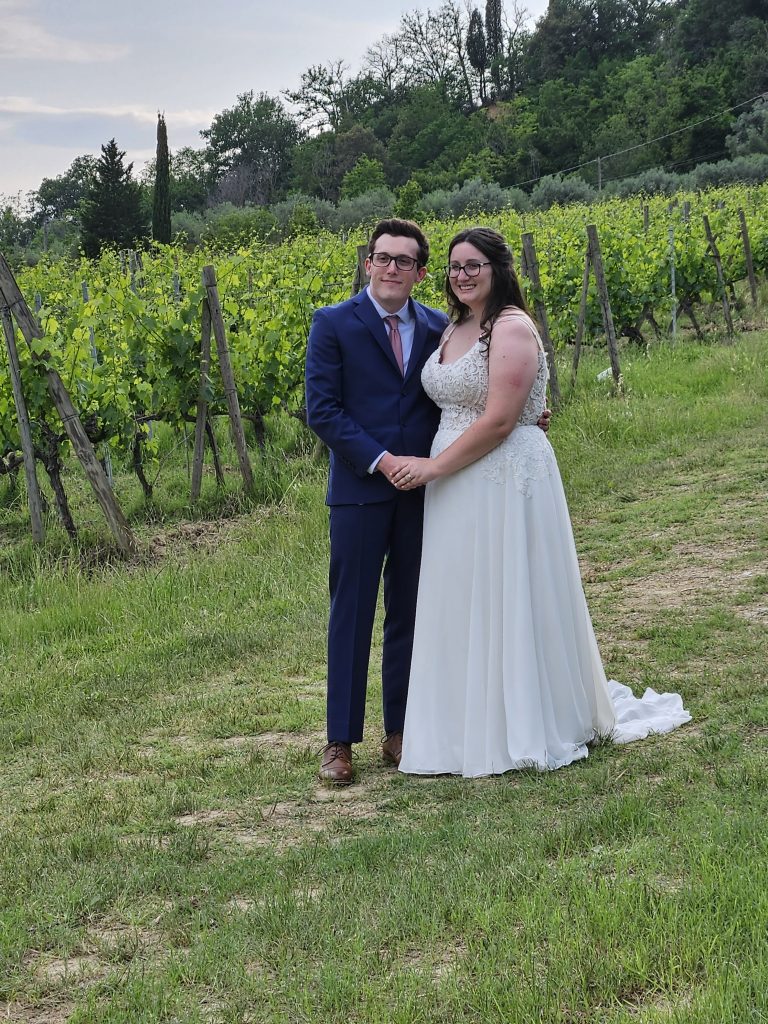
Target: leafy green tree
(704, 27)
(564, 122)
(430, 135)
(366, 176)
(633, 97)
(190, 179)
(61, 198)
(749, 132)
(161, 205)
(328, 98)
(408, 200)
(15, 229)
(113, 212)
(313, 166)
(512, 136)
(250, 147)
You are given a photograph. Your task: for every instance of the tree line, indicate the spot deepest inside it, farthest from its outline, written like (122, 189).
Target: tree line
(456, 99)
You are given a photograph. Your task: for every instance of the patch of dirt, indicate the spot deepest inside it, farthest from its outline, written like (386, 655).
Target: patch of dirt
(51, 970)
(242, 904)
(42, 1013)
(286, 824)
(212, 817)
(438, 963)
(205, 534)
(693, 572)
(754, 613)
(119, 937)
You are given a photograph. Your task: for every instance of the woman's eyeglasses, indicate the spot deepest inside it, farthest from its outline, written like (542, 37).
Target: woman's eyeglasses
(472, 268)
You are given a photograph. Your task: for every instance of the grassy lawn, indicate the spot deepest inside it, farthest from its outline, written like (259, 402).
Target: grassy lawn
(167, 853)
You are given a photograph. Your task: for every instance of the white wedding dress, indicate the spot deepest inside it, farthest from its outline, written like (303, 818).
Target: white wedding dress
(505, 670)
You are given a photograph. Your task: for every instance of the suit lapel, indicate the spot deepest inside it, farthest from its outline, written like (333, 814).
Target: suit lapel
(365, 311)
(419, 338)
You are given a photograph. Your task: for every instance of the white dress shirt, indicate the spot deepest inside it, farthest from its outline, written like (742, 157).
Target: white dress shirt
(407, 331)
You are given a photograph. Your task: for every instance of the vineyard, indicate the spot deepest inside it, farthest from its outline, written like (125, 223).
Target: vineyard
(124, 332)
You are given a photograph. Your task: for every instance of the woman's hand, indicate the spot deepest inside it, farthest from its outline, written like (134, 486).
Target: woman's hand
(413, 472)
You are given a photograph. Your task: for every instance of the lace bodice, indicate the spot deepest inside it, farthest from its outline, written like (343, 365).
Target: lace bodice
(460, 389)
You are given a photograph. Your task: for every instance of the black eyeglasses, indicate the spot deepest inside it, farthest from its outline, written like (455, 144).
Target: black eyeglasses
(383, 259)
(471, 268)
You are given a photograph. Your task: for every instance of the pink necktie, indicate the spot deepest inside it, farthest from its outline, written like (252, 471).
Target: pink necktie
(395, 340)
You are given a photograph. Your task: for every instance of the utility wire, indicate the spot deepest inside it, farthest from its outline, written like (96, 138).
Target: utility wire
(649, 142)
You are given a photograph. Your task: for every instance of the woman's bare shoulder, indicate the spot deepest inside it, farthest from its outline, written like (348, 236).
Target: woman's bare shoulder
(514, 325)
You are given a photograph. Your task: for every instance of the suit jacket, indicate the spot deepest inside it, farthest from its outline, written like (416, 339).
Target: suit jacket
(359, 403)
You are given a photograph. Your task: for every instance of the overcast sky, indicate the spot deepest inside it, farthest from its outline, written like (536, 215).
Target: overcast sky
(74, 75)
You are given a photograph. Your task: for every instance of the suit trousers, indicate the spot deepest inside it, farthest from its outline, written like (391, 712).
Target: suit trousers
(365, 539)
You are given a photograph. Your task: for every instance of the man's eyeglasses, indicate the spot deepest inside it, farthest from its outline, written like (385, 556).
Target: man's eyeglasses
(472, 268)
(383, 259)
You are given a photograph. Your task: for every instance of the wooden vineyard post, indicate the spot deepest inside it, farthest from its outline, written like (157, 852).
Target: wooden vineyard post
(523, 263)
(30, 328)
(202, 404)
(225, 365)
(672, 279)
(106, 455)
(605, 302)
(532, 272)
(27, 447)
(582, 317)
(361, 278)
(748, 257)
(720, 276)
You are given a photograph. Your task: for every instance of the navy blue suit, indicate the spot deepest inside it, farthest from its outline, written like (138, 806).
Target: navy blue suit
(359, 404)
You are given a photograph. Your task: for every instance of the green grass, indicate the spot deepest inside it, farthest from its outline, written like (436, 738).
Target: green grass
(166, 853)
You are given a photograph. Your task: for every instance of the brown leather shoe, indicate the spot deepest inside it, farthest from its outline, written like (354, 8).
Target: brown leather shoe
(336, 764)
(392, 748)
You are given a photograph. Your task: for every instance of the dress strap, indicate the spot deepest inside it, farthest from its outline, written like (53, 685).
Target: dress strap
(447, 333)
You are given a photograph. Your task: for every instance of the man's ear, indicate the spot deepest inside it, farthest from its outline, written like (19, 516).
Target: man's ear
(421, 274)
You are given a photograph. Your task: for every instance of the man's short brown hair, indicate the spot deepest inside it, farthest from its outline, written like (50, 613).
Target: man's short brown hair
(405, 229)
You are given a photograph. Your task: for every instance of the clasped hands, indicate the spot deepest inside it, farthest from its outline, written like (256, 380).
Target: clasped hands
(406, 472)
(410, 472)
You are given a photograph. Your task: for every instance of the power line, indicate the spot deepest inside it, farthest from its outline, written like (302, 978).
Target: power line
(641, 145)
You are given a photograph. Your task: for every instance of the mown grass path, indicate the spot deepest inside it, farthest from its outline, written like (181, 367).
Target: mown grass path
(166, 853)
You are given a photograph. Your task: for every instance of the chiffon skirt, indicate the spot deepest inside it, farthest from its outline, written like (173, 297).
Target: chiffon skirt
(506, 672)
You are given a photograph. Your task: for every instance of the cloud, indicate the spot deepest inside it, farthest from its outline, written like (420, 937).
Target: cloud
(27, 106)
(23, 38)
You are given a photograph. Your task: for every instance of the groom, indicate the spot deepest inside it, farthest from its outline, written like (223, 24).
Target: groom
(365, 401)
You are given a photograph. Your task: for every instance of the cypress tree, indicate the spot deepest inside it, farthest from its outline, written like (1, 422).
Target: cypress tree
(477, 51)
(494, 40)
(112, 212)
(161, 206)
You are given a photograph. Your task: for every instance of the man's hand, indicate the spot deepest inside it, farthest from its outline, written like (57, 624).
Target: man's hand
(389, 464)
(543, 420)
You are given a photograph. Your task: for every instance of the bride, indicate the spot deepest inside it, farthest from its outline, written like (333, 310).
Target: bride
(505, 670)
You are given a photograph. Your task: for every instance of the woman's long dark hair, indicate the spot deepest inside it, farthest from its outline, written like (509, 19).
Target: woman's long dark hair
(505, 286)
